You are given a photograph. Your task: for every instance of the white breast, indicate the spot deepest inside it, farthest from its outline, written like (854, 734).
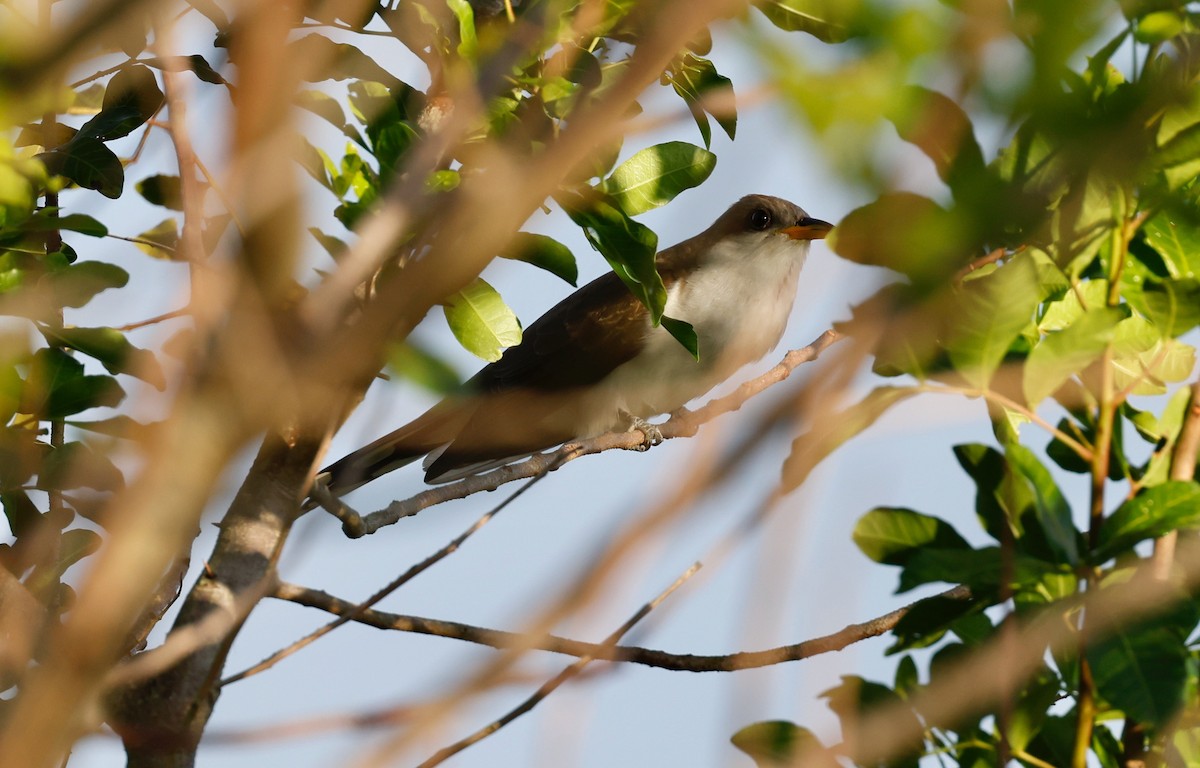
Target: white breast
(738, 301)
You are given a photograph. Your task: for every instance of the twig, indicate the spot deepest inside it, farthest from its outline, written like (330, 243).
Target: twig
(355, 612)
(680, 662)
(143, 241)
(1080, 450)
(154, 320)
(551, 685)
(981, 262)
(683, 423)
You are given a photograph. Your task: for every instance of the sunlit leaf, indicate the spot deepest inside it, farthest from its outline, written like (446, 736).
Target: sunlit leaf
(544, 252)
(1067, 352)
(655, 175)
(1152, 513)
(818, 18)
(892, 535)
(481, 321)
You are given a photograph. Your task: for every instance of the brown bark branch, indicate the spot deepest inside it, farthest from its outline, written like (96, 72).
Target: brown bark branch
(395, 584)
(1183, 467)
(502, 640)
(555, 682)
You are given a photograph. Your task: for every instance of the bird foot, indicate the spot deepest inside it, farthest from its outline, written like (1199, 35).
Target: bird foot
(651, 434)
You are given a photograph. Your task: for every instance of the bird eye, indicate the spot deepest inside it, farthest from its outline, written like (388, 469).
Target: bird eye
(760, 219)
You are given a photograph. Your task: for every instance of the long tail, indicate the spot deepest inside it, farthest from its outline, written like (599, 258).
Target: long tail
(392, 451)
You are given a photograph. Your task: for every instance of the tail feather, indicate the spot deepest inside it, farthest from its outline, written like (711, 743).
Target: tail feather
(395, 449)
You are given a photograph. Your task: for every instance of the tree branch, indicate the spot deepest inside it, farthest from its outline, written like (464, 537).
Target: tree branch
(552, 684)
(395, 584)
(501, 640)
(682, 423)
(1183, 467)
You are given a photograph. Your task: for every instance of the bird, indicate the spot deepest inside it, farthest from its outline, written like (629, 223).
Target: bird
(596, 363)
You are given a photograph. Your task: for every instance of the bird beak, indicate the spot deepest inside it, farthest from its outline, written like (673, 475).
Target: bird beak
(808, 229)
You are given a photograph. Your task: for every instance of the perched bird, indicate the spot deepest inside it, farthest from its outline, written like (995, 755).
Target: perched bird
(594, 363)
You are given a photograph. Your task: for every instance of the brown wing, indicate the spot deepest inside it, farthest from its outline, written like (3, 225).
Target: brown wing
(523, 401)
(576, 343)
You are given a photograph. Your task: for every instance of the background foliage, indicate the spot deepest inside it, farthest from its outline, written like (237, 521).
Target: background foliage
(1048, 269)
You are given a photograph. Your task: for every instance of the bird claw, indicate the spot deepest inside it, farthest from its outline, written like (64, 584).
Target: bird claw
(651, 434)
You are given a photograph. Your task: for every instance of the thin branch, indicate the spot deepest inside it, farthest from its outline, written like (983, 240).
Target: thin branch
(683, 423)
(155, 320)
(552, 684)
(502, 640)
(990, 258)
(143, 241)
(995, 397)
(354, 613)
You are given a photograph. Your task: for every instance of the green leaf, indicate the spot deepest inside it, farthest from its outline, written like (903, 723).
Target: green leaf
(133, 89)
(442, 181)
(162, 190)
(544, 252)
(991, 312)
(422, 367)
(161, 241)
(941, 129)
(58, 388)
(908, 233)
(855, 697)
(345, 62)
(892, 535)
(88, 163)
(927, 622)
(1050, 522)
(1142, 669)
(1063, 354)
(194, 63)
(75, 465)
(110, 347)
(1163, 433)
(110, 124)
(684, 333)
(1143, 360)
(42, 221)
(1172, 305)
(75, 545)
(1152, 513)
(1177, 240)
(628, 246)
(44, 135)
(481, 321)
(1074, 303)
(907, 678)
(20, 511)
(324, 106)
(1028, 712)
(76, 284)
(818, 18)
(980, 569)
(468, 46)
(655, 175)
(698, 83)
(773, 743)
(335, 247)
(119, 426)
